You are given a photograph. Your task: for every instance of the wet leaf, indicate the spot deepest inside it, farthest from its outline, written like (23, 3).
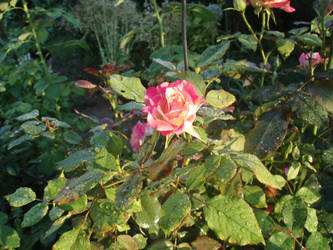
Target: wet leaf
(9, 237)
(35, 214)
(233, 220)
(311, 222)
(67, 240)
(253, 164)
(196, 178)
(204, 243)
(308, 195)
(82, 242)
(150, 214)
(21, 197)
(77, 187)
(220, 98)
(75, 159)
(267, 135)
(53, 187)
(19, 141)
(72, 137)
(255, 196)
(127, 242)
(265, 222)
(33, 127)
(322, 91)
(213, 53)
(294, 215)
(128, 191)
(161, 245)
(316, 241)
(280, 241)
(28, 116)
(174, 211)
(105, 161)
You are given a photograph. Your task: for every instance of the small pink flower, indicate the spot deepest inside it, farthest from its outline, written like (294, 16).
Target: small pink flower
(172, 107)
(304, 59)
(286, 170)
(139, 131)
(268, 4)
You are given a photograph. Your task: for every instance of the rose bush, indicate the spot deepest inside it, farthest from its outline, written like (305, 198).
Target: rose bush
(172, 107)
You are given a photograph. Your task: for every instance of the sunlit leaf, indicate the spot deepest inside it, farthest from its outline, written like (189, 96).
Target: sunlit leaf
(213, 53)
(75, 159)
(220, 98)
(35, 214)
(21, 197)
(233, 220)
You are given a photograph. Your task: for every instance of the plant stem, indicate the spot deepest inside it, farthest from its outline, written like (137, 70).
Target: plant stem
(330, 62)
(323, 33)
(262, 52)
(184, 34)
(33, 30)
(160, 23)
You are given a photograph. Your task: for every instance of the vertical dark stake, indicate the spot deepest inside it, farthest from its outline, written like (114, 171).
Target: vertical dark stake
(184, 34)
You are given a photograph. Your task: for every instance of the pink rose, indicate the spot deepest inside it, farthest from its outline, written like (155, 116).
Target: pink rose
(268, 4)
(139, 131)
(304, 59)
(172, 107)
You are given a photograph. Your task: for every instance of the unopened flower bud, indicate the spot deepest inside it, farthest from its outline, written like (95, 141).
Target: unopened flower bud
(240, 5)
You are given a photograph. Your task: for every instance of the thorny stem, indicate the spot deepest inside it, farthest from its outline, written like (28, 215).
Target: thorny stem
(160, 23)
(184, 34)
(291, 235)
(323, 32)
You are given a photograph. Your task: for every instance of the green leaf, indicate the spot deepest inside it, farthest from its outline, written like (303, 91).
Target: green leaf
(193, 147)
(311, 222)
(293, 170)
(53, 187)
(310, 39)
(28, 116)
(248, 42)
(161, 245)
(67, 240)
(105, 161)
(33, 127)
(308, 195)
(19, 141)
(196, 179)
(35, 214)
(55, 213)
(140, 240)
(82, 242)
(310, 110)
(220, 98)
(72, 137)
(78, 205)
(267, 135)
(75, 159)
(255, 196)
(213, 53)
(316, 241)
(3, 218)
(128, 87)
(105, 215)
(128, 191)
(225, 169)
(253, 164)
(294, 215)
(21, 197)
(195, 79)
(233, 220)
(322, 92)
(285, 47)
(130, 106)
(127, 242)
(280, 241)
(150, 214)
(174, 210)
(9, 237)
(77, 187)
(204, 243)
(165, 64)
(266, 222)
